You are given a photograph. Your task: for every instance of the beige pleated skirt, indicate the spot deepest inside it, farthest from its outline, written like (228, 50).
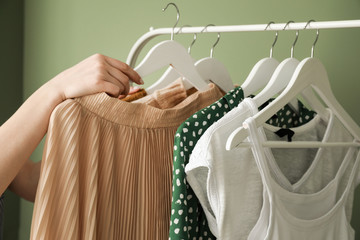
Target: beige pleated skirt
(107, 168)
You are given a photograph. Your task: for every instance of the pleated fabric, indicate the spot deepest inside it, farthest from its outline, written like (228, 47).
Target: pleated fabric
(107, 168)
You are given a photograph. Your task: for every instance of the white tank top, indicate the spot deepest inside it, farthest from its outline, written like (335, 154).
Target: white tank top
(287, 215)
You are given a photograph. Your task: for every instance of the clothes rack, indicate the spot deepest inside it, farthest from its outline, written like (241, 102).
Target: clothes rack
(144, 39)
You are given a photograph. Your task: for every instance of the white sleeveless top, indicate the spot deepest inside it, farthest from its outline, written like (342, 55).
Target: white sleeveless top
(288, 215)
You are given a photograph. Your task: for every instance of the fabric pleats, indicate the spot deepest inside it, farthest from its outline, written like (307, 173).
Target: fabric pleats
(107, 169)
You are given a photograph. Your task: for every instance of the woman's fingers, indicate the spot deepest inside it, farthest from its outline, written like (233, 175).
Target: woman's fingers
(126, 69)
(110, 88)
(120, 77)
(120, 80)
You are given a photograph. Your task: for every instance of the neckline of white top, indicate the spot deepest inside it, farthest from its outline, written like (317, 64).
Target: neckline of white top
(276, 192)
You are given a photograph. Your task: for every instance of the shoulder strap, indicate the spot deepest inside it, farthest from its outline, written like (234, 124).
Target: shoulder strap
(258, 152)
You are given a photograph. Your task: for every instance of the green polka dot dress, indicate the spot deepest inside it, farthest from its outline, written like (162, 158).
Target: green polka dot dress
(188, 219)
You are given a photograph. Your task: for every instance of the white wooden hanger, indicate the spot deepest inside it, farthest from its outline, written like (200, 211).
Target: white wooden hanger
(171, 74)
(174, 54)
(309, 72)
(215, 71)
(210, 69)
(261, 73)
(280, 79)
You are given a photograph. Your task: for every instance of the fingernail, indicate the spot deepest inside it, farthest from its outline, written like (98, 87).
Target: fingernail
(136, 87)
(141, 81)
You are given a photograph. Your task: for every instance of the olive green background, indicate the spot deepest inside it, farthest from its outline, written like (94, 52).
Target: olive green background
(40, 38)
(11, 88)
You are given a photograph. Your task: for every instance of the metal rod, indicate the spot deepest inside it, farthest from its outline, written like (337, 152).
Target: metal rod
(301, 144)
(140, 43)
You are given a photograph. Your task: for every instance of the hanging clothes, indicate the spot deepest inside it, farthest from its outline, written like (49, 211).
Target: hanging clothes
(321, 215)
(188, 219)
(230, 185)
(167, 97)
(185, 215)
(106, 168)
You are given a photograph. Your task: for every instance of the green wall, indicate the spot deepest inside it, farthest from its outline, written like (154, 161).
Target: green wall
(11, 57)
(59, 34)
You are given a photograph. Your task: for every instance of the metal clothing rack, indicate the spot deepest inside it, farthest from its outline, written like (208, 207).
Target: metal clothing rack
(144, 39)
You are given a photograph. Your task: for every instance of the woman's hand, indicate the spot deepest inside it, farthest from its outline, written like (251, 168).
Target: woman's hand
(97, 73)
(21, 133)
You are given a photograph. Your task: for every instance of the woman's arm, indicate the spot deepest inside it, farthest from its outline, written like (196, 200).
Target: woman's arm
(20, 135)
(26, 181)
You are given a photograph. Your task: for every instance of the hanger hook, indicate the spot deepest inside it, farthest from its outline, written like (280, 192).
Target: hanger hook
(217, 41)
(317, 37)
(296, 38)
(177, 17)
(212, 49)
(192, 43)
(276, 37)
(195, 37)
